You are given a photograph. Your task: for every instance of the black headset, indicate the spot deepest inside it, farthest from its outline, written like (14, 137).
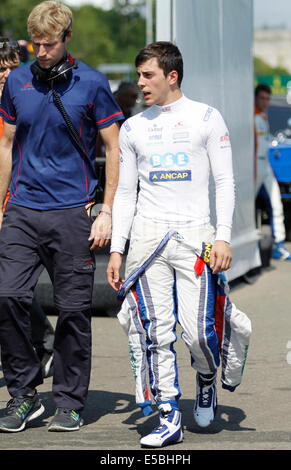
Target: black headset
(59, 73)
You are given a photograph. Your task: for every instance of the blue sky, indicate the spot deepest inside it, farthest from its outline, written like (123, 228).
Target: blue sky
(99, 3)
(272, 13)
(266, 12)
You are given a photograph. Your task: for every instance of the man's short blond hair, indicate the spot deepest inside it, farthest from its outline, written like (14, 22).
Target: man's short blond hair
(49, 18)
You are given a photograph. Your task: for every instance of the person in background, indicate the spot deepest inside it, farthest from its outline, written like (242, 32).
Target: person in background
(41, 328)
(126, 96)
(23, 51)
(266, 184)
(9, 60)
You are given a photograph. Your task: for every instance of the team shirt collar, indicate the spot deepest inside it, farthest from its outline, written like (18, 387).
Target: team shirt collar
(171, 106)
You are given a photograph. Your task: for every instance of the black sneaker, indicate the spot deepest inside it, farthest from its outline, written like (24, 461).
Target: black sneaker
(19, 411)
(66, 420)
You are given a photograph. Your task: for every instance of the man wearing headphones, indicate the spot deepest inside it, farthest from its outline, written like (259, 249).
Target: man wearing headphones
(42, 330)
(52, 111)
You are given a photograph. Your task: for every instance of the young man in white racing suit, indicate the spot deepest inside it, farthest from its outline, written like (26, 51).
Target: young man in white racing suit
(168, 151)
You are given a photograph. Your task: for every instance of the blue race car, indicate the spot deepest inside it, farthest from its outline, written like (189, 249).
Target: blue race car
(280, 160)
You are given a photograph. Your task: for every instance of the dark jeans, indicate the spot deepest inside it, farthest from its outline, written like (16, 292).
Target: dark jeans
(58, 240)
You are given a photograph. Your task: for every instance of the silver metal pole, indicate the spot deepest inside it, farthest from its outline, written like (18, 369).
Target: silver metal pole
(149, 21)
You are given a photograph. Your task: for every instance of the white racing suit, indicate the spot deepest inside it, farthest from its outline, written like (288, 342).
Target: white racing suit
(166, 156)
(175, 284)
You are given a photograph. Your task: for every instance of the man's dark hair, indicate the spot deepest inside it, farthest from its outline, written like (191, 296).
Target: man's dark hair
(8, 52)
(262, 87)
(167, 54)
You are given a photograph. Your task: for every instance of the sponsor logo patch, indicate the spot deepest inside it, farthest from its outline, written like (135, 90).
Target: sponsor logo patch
(127, 126)
(165, 176)
(205, 254)
(27, 86)
(224, 141)
(155, 128)
(169, 159)
(207, 114)
(224, 138)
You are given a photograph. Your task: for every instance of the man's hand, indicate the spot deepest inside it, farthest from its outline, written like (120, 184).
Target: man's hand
(113, 270)
(220, 256)
(101, 231)
(1, 218)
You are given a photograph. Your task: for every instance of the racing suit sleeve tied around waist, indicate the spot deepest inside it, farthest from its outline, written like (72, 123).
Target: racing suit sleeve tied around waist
(233, 329)
(141, 269)
(129, 318)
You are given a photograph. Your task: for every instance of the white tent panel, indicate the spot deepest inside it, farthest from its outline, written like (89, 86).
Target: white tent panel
(216, 40)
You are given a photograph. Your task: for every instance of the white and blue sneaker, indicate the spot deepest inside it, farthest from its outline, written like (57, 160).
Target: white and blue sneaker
(168, 432)
(66, 419)
(206, 400)
(280, 252)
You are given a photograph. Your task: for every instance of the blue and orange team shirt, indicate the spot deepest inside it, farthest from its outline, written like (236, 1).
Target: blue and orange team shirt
(48, 170)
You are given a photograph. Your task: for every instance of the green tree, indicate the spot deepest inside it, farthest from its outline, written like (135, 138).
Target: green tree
(262, 68)
(109, 36)
(92, 41)
(13, 15)
(129, 33)
(99, 36)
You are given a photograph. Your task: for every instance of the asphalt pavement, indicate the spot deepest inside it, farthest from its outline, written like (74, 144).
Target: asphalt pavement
(257, 416)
